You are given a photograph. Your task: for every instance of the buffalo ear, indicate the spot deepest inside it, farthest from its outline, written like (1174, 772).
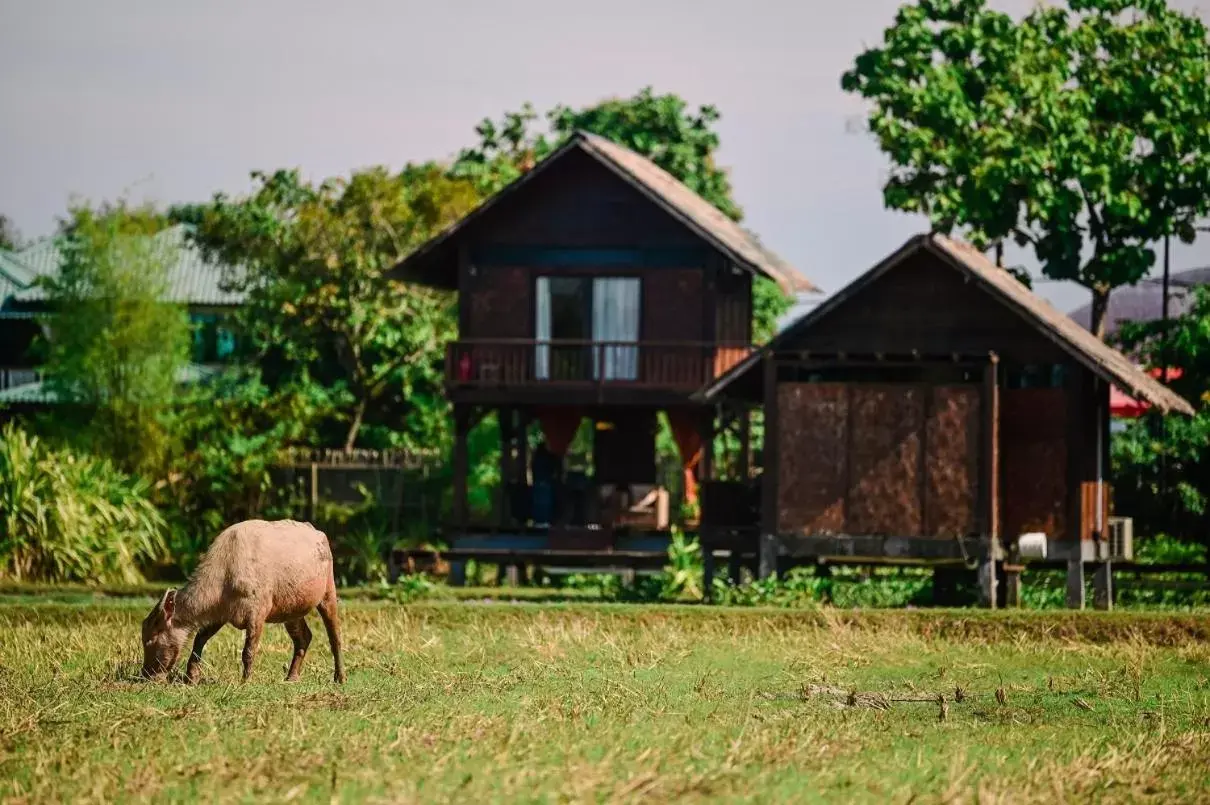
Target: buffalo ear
(168, 606)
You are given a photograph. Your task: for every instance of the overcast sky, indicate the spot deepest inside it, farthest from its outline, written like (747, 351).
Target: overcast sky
(172, 101)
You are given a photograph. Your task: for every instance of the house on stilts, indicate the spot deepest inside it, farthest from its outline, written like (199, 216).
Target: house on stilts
(595, 287)
(935, 410)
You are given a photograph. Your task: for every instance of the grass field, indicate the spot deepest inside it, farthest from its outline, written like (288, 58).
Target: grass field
(492, 702)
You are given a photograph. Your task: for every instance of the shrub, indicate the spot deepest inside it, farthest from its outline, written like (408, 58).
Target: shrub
(69, 517)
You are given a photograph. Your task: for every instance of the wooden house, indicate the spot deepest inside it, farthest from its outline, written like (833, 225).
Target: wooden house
(597, 287)
(934, 410)
(26, 315)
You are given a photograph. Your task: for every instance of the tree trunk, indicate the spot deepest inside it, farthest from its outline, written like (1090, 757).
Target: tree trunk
(1099, 319)
(355, 426)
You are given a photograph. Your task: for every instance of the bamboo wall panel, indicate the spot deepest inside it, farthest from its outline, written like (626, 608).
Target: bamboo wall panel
(952, 444)
(812, 457)
(1033, 455)
(885, 453)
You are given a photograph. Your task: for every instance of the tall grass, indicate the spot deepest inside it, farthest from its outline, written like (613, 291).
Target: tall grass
(70, 517)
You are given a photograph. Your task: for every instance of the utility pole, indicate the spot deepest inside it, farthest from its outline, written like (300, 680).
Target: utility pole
(1164, 360)
(1164, 313)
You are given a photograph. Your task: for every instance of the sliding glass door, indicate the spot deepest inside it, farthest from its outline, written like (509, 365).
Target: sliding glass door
(587, 328)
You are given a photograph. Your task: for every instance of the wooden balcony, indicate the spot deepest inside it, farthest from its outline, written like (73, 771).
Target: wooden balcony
(529, 369)
(11, 377)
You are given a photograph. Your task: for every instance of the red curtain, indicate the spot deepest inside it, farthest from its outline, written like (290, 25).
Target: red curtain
(683, 422)
(559, 426)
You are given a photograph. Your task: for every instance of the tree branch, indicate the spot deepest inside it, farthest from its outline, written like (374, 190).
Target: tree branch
(1032, 239)
(1095, 224)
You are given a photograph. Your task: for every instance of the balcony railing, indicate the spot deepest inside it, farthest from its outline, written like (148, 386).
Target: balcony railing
(530, 363)
(10, 378)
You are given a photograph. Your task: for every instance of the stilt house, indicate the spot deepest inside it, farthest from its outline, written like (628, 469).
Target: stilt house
(933, 410)
(596, 287)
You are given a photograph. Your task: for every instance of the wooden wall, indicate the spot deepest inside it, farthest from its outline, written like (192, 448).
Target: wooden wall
(672, 305)
(579, 202)
(499, 303)
(1034, 462)
(878, 459)
(926, 305)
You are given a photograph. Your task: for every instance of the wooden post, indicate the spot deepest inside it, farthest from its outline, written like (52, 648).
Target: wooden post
(1075, 583)
(457, 576)
(745, 445)
(504, 417)
(988, 593)
(735, 568)
(991, 448)
(1102, 585)
(705, 476)
(768, 503)
(523, 448)
(706, 467)
(313, 494)
(462, 418)
(1012, 586)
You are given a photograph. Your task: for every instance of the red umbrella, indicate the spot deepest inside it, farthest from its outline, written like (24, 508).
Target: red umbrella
(1124, 406)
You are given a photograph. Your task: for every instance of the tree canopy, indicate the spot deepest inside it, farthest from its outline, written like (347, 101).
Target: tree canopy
(312, 260)
(116, 348)
(1079, 132)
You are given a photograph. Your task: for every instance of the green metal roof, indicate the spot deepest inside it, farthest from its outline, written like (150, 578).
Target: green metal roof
(14, 276)
(192, 280)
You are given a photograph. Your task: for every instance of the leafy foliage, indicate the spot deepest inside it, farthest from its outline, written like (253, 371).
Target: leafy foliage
(231, 431)
(117, 349)
(1076, 131)
(70, 517)
(661, 128)
(1162, 468)
(313, 261)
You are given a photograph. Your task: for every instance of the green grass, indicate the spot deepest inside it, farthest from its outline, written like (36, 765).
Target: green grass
(500, 702)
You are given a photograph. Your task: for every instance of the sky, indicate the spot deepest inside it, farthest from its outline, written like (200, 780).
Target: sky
(172, 101)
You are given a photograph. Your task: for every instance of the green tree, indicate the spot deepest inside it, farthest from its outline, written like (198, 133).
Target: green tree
(313, 259)
(116, 348)
(230, 433)
(10, 238)
(1079, 132)
(1162, 470)
(661, 128)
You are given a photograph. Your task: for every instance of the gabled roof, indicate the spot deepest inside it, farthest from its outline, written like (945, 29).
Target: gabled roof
(192, 280)
(14, 276)
(663, 189)
(1097, 356)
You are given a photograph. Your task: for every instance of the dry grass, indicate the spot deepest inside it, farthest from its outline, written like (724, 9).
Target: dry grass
(502, 703)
